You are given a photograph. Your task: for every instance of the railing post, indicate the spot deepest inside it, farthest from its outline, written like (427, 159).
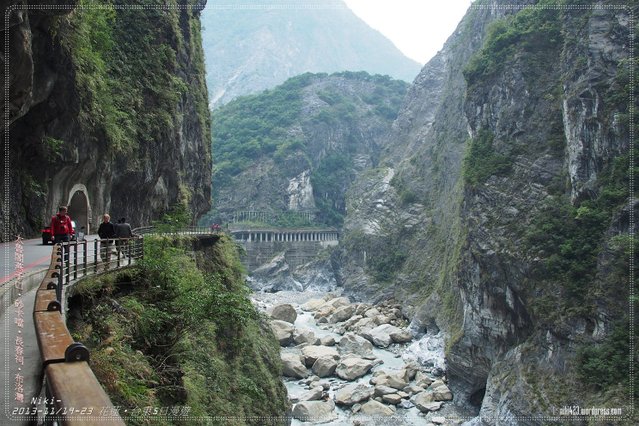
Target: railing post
(68, 261)
(85, 262)
(75, 261)
(128, 249)
(58, 290)
(118, 246)
(95, 255)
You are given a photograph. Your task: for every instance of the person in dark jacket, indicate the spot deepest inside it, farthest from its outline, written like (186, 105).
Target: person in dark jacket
(122, 230)
(106, 231)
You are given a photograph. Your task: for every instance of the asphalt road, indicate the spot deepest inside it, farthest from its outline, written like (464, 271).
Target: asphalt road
(36, 256)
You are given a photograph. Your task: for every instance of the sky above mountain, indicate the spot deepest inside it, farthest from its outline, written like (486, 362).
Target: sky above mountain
(418, 28)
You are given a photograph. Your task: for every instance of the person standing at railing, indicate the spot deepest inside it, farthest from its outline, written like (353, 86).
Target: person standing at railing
(106, 231)
(122, 230)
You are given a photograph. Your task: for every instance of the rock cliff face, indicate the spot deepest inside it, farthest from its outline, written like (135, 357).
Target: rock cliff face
(108, 113)
(500, 211)
(298, 147)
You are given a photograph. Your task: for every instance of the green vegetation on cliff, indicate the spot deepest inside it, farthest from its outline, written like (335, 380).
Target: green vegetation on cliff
(534, 32)
(482, 161)
(317, 123)
(129, 78)
(172, 332)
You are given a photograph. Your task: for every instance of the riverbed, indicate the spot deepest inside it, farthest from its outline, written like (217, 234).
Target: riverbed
(427, 351)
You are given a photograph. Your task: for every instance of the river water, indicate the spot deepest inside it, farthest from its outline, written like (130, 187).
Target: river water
(427, 351)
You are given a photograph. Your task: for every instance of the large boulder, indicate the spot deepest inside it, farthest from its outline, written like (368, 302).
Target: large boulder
(315, 411)
(283, 331)
(401, 335)
(381, 390)
(342, 314)
(352, 394)
(393, 380)
(349, 323)
(315, 394)
(409, 371)
(284, 312)
(324, 366)
(422, 379)
(362, 325)
(313, 353)
(327, 341)
(440, 391)
(379, 336)
(392, 398)
(425, 403)
(321, 315)
(352, 368)
(338, 302)
(413, 389)
(313, 304)
(373, 408)
(305, 335)
(292, 366)
(353, 344)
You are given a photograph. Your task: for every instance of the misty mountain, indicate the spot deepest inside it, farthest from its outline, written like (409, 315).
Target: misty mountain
(255, 45)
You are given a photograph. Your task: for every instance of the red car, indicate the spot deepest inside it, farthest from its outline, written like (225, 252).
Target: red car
(47, 235)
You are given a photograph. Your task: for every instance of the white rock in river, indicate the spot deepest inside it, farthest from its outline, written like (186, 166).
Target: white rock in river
(421, 379)
(394, 380)
(341, 314)
(400, 335)
(352, 394)
(409, 371)
(383, 335)
(338, 302)
(324, 366)
(425, 402)
(379, 336)
(284, 312)
(353, 367)
(315, 411)
(315, 394)
(305, 335)
(381, 390)
(313, 304)
(441, 392)
(312, 353)
(283, 331)
(374, 408)
(327, 341)
(354, 344)
(392, 398)
(292, 366)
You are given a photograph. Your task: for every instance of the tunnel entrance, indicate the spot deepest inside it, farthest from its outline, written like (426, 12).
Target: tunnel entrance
(79, 210)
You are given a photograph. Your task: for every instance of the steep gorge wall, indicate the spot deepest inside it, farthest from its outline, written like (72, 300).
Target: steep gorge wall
(108, 102)
(502, 214)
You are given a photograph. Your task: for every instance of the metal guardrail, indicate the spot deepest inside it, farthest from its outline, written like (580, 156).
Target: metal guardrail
(74, 395)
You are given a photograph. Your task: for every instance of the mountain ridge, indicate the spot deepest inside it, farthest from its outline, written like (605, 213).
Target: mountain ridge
(258, 45)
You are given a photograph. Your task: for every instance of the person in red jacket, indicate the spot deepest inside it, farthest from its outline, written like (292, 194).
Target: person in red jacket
(61, 226)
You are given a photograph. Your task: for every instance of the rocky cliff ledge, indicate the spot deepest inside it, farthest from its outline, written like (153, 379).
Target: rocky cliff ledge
(107, 112)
